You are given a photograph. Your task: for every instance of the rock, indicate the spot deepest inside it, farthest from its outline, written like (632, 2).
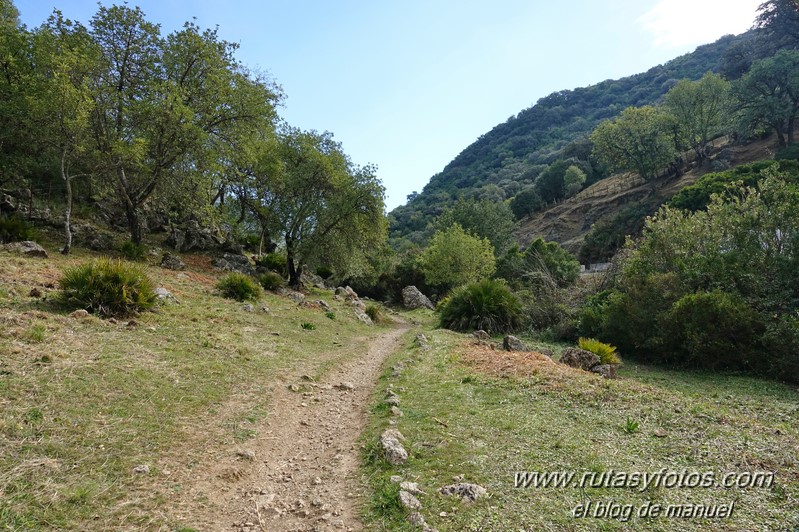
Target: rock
(409, 501)
(141, 469)
(363, 317)
(246, 454)
(579, 358)
(605, 370)
(411, 487)
(230, 262)
(660, 433)
(7, 203)
(28, 248)
(547, 352)
(481, 335)
(81, 313)
(412, 298)
(421, 341)
(346, 292)
(393, 450)
(193, 237)
(345, 386)
(172, 262)
(417, 520)
(467, 492)
(166, 296)
(396, 412)
(35, 292)
(311, 279)
(322, 303)
(393, 401)
(511, 343)
(396, 479)
(248, 307)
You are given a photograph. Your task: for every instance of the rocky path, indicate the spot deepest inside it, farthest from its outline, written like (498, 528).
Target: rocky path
(301, 472)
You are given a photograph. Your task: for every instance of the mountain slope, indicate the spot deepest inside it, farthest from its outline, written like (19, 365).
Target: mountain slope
(510, 156)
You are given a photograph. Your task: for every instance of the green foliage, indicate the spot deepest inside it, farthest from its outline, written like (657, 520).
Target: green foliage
(487, 305)
(15, 229)
(697, 196)
(606, 352)
(541, 263)
(274, 261)
(132, 251)
(306, 326)
(630, 426)
(324, 272)
(573, 181)
(640, 140)
(271, 281)
(239, 286)
(526, 203)
(490, 220)
(712, 289)
(108, 287)
(608, 235)
(330, 315)
(455, 258)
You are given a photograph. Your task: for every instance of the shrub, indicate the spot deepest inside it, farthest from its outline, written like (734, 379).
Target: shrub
(330, 315)
(487, 304)
(605, 352)
(275, 262)
(108, 287)
(455, 258)
(15, 229)
(306, 326)
(374, 312)
(132, 251)
(324, 272)
(239, 287)
(271, 281)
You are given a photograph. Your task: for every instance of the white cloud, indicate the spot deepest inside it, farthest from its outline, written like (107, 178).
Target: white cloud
(681, 23)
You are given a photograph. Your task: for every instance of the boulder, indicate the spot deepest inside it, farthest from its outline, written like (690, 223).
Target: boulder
(347, 293)
(165, 295)
(172, 262)
(235, 263)
(511, 343)
(579, 358)
(7, 203)
(393, 450)
(481, 335)
(467, 492)
(409, 501)
(28, 248)
(412, 298)
(311, 279)
(363, 317)
(193, 237)
(605, 370)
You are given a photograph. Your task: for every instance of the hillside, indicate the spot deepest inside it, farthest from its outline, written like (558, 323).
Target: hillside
(568, 222)
(510, 156)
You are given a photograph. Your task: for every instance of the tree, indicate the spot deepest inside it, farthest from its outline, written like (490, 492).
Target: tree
(488, 219)
(455, 258)
(699, 110)
(573, 179)
(768, 95)
(549, 183)
(61, 101)
(526, 203)
(326, 209)
(779, 20)
(639, 140)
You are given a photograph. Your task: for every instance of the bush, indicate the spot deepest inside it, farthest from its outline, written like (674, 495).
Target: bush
(132, 251)
(15, 229)
(374, 312)
(239, 287)
(108, 287)
(324, 272)
(271, 281)
(605, 352)
(487, 305)
(275, 262)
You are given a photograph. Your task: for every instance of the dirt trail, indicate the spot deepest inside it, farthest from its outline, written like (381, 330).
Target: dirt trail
(304, 472)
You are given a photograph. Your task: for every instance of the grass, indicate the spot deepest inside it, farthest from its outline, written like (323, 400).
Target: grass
(487, 414)
(84, 401)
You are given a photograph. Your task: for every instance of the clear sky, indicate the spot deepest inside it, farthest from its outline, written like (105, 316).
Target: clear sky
(408, 84)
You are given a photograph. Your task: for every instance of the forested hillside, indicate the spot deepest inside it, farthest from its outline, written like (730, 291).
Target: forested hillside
(501, 163)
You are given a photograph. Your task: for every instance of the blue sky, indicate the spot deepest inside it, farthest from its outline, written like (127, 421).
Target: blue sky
(407, 85)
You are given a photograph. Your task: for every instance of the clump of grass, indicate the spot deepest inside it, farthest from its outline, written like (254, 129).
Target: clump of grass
(487, 305)
(15, 229)
(330, 315)
(271, 281)
(36, 333)
(132, 251)
(606, 352)
(308, 326)
(374, 312)
(107, 287)
(630, 426)
(239, 287)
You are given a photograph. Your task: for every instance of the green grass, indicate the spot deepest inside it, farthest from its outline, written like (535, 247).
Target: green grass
(86, 400)
(460, 420)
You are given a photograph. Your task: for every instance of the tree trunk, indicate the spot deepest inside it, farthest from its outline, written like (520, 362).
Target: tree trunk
(791, 124)
(134, 224)
(295, 270)
(68, 211)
